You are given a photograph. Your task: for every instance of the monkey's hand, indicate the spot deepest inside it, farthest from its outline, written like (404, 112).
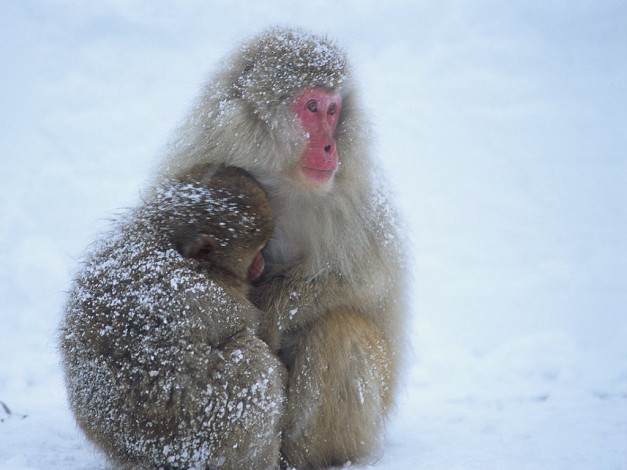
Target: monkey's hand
(261, 294)
(290, 299)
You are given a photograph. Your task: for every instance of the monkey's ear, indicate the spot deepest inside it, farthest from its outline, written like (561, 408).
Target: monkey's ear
(201, 246)
(193, 244)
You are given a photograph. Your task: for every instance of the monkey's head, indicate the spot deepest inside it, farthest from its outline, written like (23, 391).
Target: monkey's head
(292, 80)
(276, 109)
(225, 226)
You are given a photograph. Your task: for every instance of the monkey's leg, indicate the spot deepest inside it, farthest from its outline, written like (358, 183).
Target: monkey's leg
(338, 391)
(220, 408)
(247, 424)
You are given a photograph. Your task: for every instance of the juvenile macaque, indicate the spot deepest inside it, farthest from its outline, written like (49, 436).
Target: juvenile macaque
(284, 107)
(162, 363)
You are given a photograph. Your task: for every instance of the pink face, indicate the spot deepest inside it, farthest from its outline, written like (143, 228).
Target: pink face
(318, 111)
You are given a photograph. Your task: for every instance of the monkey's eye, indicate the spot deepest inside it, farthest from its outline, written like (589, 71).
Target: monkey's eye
(332, 109)
(312, 106)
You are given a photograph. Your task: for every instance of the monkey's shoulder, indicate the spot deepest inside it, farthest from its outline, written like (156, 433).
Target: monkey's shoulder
(134, 273)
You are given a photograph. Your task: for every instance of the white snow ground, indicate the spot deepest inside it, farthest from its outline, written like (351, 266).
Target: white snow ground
(504, 128)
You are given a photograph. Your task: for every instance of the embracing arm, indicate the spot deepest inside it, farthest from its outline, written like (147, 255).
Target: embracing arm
(290, 299)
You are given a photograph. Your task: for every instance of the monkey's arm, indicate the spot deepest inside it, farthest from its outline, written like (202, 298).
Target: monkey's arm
(290, 298)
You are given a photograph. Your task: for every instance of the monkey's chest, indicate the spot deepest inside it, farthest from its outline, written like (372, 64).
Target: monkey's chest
(285, 247)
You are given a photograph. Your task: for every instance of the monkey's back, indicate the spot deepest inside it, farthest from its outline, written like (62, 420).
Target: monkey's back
(142, 342)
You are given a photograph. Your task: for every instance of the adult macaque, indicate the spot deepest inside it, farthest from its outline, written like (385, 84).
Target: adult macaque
(284, 107)
(162, 363)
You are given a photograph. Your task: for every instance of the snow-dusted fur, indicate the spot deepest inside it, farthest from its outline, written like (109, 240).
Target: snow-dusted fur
(162, 364)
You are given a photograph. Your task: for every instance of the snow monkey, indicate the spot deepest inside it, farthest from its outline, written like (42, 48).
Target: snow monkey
(162, 363)
(285, 108)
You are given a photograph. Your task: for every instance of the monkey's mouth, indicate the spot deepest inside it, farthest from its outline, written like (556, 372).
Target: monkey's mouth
(256, 267)
(318, 175)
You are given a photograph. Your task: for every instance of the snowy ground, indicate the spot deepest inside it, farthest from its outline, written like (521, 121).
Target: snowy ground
(504, 128)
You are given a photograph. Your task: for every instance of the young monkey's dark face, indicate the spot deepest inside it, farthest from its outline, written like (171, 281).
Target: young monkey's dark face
(242, 257)
(230, 234)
